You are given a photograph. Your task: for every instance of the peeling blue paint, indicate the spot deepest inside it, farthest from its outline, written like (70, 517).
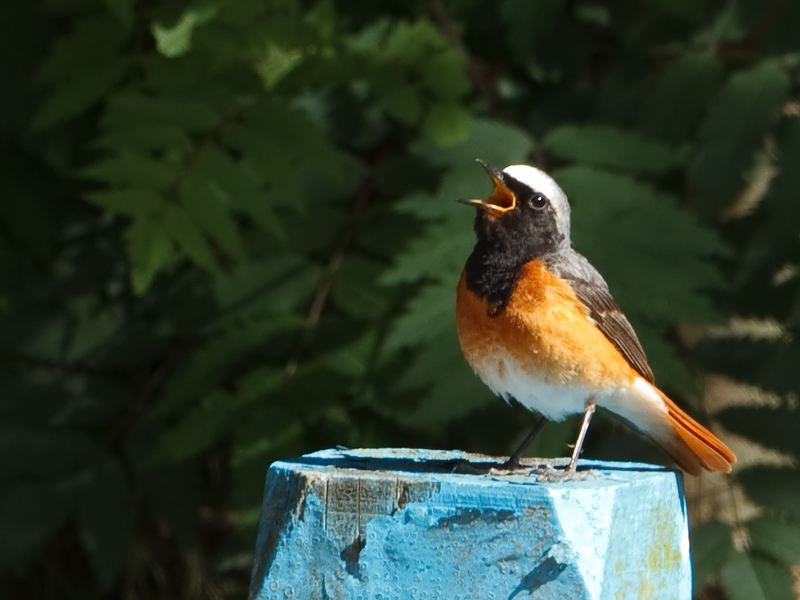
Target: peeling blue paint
(386, 524)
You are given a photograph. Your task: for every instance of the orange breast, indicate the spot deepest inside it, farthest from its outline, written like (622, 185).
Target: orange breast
(544, 332)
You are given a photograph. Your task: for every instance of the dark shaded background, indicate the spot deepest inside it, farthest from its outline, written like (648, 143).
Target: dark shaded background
(228, 235)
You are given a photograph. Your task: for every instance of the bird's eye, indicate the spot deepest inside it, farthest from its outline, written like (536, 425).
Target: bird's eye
(537, 201)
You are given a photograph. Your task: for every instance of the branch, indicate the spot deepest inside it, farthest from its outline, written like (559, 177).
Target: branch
(361, 200)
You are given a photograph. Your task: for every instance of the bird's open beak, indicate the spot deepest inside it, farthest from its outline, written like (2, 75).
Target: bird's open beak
(502, 199)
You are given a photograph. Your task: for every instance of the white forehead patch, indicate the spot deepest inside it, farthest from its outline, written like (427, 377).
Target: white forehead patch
(537, 180)
(541, 182)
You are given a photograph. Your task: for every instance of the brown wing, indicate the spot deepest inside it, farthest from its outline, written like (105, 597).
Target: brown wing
(592, 290)
(614, 325)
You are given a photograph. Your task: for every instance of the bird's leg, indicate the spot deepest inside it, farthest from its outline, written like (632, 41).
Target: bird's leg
(576, 452)
(513, 460)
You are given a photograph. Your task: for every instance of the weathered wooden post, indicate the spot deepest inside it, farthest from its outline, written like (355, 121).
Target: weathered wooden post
(408, 524)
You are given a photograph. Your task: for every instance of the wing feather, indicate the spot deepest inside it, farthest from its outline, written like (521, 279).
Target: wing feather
(592, 290)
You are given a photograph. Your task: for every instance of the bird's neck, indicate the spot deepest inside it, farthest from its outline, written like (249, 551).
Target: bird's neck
(493, 270)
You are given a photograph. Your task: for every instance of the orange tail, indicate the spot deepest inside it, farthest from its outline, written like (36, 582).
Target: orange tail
(693, 446)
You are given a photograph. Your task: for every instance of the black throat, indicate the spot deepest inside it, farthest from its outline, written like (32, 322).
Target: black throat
(492, 272)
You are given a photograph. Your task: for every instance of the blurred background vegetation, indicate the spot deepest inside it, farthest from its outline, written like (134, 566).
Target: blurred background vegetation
(228, 235)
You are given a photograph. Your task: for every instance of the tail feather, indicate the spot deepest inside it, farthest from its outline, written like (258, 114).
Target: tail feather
(693, 446)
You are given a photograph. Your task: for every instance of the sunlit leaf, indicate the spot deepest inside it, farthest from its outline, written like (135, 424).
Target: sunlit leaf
(177, 40)
(447, 124)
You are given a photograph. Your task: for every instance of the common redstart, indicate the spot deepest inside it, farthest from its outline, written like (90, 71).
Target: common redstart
(537, 323)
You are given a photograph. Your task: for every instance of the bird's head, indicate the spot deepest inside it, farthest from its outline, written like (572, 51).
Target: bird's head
(527, 210)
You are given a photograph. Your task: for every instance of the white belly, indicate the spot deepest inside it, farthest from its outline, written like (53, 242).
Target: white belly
(555, 400)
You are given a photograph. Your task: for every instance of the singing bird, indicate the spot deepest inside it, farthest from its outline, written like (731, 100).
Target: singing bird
(537, 323)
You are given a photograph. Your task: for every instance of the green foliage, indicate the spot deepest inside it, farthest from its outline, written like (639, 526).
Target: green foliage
(753, 578)
(229, 234)
(605, 146)
(743, 113)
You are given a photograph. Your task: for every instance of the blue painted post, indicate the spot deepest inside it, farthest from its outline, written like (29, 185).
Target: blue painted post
(412, 524)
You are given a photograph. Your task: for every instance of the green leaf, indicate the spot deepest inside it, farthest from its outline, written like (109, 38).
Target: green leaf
(92, 331)
(743, 113)
(176, 41)
(776, 488)
(30, 514)
(131, 111)
(781, 200)
(445, 384)
(778, 539)
(748, 577)
(188, 237)
(444, 75)
(251, 280)
(605, 146)
(237, 186)
(197, 430)
(771, 427)
(766, 363)
(741, 578)
(711, 549)
(776, 580)
(680, 97)
(150, 250)
(147, 138)
(81, 92)
(207, 367)
(451, 244)
(497, 143)
(95, 39)
(263, 154)
(447, 124)
(402, 102)
(299, 137)
(276, 63)
(354, 291)
(413, 43)
(430, 314)
(131, 169)
(130, 202)
(104, 521)
(206, 203)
